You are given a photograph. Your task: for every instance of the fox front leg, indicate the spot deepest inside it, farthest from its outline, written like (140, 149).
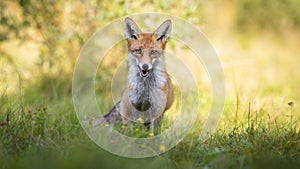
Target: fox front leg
(155, 127)
(152, 126)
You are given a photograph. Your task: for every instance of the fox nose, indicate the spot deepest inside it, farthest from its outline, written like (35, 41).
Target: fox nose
(145, 66)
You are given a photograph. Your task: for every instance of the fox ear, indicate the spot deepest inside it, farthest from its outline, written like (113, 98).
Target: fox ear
(162, 33)
(131, 29)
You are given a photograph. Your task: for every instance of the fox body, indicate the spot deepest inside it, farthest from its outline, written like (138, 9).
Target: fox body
(149, 90)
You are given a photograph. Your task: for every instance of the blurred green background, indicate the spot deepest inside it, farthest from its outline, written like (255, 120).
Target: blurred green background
(257, 42)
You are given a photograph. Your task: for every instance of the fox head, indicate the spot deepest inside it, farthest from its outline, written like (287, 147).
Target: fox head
(145, 49)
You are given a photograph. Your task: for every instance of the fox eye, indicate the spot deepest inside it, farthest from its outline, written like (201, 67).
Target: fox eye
(138, 51)
(134, 37)
(154, 52)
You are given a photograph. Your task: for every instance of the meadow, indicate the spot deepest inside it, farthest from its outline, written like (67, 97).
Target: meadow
(257, 43)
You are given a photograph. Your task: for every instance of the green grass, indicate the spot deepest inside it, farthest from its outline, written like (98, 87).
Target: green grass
(47, 134)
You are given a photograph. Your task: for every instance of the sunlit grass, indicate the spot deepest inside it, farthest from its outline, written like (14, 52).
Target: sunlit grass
(250, 133)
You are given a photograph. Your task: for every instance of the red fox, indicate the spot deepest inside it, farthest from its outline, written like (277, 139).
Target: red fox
(149, 90)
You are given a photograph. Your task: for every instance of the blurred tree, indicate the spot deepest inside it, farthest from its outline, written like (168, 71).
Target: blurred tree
(50, 25)
(268, 14)
(60, 28)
